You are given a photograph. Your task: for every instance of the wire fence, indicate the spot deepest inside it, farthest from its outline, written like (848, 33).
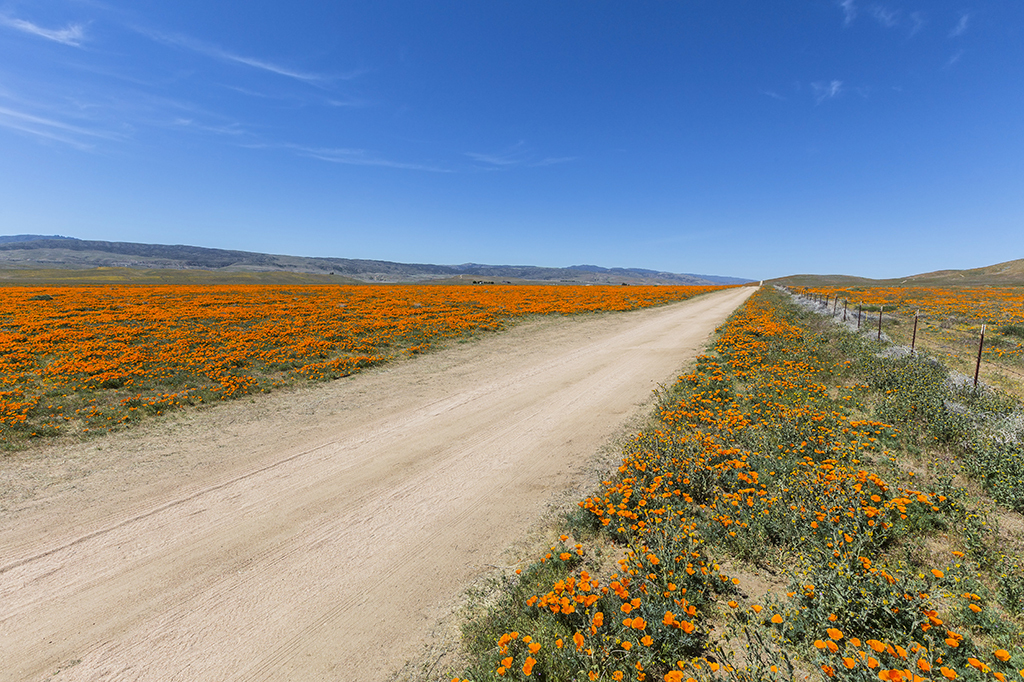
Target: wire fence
(835, 306)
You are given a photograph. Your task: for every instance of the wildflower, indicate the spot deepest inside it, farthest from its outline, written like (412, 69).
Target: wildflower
(528, 666)
(975, 663)
(776, 619)
(1002, 654)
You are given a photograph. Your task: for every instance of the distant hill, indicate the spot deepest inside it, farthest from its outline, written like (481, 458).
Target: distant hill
(35, 252)
(1010, 273)
(7, 239)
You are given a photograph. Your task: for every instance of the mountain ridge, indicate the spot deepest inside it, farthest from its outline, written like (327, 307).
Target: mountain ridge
(59, 252)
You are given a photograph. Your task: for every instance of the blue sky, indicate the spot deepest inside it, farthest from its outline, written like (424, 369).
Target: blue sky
(743, 138)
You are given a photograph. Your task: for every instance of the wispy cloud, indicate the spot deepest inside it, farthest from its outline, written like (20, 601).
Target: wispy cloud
(216, 52)
(849, 11)
(347, 103)
(961, 26)
(916, 23)
(772, 94)
(302, 99)
(888, 18)
(351, 157)
(516, 155)
(72, 34)
(826, 91)
(955, 58)
(49, 128)
(233, 129)
(507, 159)
(554, 160)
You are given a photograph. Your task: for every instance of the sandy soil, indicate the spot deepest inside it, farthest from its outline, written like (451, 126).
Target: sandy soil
(316, 534)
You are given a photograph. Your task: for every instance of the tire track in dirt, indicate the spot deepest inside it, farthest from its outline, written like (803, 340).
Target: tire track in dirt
(320, 547)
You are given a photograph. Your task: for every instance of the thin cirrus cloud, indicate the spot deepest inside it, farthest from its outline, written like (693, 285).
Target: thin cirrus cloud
(497, 160)
(961, 26)
(849, 11)
(886, 17)
(48, 128)
(209, 50)
(351, 157)
(72, 34)
(916, 23)
(516, 155)
(827, 91)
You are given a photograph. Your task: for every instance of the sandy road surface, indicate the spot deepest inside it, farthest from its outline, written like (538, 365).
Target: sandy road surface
(312, 535)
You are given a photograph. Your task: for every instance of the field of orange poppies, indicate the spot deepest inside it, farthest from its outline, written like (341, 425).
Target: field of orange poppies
(85, 359)
(804, 508)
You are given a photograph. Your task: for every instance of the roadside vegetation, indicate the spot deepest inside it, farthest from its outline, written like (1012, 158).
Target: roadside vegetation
(808, 505)
(82, 360)
(949, 324)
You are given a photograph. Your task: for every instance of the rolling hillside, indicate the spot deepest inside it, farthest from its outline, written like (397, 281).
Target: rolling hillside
(1010, 273)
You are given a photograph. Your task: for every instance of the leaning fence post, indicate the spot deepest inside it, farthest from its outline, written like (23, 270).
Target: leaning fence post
(913, 341)
(977, 365)
(880, 309)
(845, 302)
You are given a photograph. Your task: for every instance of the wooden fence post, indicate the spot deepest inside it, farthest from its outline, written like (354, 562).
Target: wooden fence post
(913, 340)
(845, 303)
(977, 365)
(835, 305)
(858, 317)
(880, 309)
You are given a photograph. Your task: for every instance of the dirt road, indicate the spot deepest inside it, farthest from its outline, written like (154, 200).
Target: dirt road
(315, 534)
